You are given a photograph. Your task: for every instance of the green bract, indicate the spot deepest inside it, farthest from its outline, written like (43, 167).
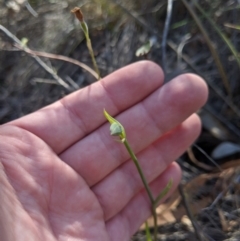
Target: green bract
(116, 129)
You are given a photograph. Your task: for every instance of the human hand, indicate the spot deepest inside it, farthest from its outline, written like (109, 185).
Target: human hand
(63, 177)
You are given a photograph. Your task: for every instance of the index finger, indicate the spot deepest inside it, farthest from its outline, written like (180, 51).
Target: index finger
(68, 120)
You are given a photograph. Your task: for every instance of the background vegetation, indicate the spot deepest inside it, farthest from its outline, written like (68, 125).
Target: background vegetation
(203, 37)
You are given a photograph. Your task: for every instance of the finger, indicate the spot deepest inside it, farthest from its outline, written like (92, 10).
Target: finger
(98, 154)
(70, 119)
(122, 226)
(118, 188)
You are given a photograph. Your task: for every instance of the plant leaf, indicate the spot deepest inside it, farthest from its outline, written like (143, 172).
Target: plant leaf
(164, 192)
(148, 234)
(144, 49)
(24, 42)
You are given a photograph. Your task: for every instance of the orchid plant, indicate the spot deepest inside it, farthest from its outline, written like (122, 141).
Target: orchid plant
(117, 129)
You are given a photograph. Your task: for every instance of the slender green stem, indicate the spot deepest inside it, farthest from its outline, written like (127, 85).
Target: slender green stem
(148, 234)
(90, 49)
(163, 193)
(116, 129)
(78, 13)
(135, 160)
(154, 213)
(149, 192)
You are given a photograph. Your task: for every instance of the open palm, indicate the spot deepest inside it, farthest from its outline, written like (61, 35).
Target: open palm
(63, 177)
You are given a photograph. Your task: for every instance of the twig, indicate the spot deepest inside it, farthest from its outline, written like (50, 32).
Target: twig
(219, 196)
(134, 15)
(37, 59)
(165, 33)
(192, 157)
(72, 82)
(46, 81)
(180, 47)
(154, 9)
(223, 120)
(60, 57)
(228, 102)
(208, 157)
(219, 93)
(189, 213)
(211, 48)
(221, 34)
(30, 9)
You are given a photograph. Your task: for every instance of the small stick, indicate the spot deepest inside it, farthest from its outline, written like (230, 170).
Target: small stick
(165, 34)
(60, 57)
(37, 59)
(189, 213)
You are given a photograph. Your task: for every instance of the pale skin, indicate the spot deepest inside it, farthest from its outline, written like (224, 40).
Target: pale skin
(63, 177)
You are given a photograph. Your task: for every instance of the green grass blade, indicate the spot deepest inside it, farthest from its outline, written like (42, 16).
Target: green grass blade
(163, 193)
(233, 26)
(210, 46)
(218, 30)
(148, 234)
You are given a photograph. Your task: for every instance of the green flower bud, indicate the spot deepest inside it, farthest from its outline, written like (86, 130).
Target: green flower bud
(116, 128)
